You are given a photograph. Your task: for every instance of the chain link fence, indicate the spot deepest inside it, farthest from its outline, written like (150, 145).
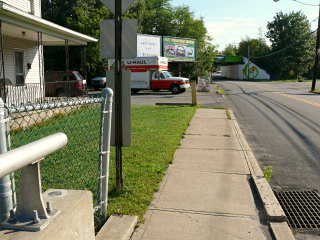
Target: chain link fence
(77, 166)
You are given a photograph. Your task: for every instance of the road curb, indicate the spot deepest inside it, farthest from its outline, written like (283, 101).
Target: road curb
(273, 210)
(118, 228)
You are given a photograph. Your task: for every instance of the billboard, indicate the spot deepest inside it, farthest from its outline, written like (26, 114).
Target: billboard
(148, 45)
(179, 49)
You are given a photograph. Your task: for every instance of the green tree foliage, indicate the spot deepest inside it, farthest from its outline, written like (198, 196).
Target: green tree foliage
(257, 47)
(83, 16)
(230, 50)
(289, 34)
(157, 17)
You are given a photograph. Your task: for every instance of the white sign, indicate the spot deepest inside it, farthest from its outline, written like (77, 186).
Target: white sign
(129, 38)
(110, 4)
(148, 45)
(203, 85)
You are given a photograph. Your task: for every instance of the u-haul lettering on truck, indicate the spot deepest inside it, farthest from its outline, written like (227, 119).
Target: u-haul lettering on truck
(134, 62)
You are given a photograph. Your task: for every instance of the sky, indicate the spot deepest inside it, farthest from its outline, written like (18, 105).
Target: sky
(229, 21)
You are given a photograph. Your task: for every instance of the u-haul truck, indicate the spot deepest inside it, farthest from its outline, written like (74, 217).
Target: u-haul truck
(152, 73)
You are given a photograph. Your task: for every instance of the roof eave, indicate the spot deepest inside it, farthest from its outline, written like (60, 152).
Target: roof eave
(23, 19)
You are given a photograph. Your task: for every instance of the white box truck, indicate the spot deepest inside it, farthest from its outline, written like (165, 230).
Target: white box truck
(152, 73)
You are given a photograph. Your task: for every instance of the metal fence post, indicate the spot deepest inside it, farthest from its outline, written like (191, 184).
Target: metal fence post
(5, 184)
(107, 93)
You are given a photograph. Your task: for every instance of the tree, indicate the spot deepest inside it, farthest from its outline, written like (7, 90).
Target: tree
(83, 16)
(257, 47)
(293, 44)
(157, 17)
(230, 50)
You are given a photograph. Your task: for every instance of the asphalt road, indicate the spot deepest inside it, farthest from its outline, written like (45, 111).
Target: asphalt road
(281, 124)
(151, 98)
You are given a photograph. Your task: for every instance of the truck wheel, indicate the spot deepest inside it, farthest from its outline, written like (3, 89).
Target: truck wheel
(175, 89)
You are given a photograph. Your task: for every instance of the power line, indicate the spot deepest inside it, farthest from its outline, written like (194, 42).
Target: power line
(281, 50)
(308, 4)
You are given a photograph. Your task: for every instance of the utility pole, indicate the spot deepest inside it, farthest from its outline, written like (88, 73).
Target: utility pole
(118, 93)
(316, 61)
(248, 61)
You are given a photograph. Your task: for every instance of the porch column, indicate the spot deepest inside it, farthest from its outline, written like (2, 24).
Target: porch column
(66, 46)
(41, 66)
(2, 72)
(84, 62)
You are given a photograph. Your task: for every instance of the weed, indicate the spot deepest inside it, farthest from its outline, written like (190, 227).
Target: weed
(228, 114)
(219, 90)
(267, 172)
(222, 108)
(316, 91)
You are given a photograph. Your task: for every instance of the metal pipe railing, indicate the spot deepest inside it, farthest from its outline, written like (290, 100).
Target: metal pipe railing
(30, 153)
(5, 184)
(105, 148)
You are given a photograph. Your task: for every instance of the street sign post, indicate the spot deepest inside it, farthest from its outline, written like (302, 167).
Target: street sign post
(118, 7)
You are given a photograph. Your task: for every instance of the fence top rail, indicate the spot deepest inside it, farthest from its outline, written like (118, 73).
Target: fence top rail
(31, 153)
(51, 105)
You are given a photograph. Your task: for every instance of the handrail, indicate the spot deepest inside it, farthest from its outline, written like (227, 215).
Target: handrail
(31, 153)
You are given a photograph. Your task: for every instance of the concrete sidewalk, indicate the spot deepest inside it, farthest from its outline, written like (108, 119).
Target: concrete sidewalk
(213, 189)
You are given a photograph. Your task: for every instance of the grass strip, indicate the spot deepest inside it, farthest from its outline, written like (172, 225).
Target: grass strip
(156, 134)
(317, 91)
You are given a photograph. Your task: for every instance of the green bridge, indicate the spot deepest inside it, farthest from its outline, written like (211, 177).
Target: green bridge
(228, 60)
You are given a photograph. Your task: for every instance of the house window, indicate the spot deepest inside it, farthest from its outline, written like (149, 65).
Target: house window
(30, 6)
(19, 67)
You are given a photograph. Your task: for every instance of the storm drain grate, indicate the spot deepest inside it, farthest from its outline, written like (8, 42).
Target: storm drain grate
(302, 208)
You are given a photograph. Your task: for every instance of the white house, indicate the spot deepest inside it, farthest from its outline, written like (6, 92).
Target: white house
(23, 33)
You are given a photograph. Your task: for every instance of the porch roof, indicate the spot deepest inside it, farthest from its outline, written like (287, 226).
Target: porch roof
(20, 24)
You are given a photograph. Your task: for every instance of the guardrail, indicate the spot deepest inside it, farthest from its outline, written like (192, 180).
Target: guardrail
(31, 213)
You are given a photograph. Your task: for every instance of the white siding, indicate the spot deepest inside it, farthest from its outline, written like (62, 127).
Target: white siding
(24, 5)
(31, 55)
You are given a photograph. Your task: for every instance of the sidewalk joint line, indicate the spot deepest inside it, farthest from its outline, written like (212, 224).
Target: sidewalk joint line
(222, 214)
(205, 171)
(214, 149)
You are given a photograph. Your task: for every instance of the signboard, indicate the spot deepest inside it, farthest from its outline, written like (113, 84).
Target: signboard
(148, 45)
(110, 4)
(179, 49)
(129, 38)
(203, 85)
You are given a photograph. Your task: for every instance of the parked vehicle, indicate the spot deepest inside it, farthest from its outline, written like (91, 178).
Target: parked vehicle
(98, 82)
(152, 73)
(56, 84)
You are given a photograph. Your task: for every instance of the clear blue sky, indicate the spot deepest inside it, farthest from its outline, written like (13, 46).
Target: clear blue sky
(228, 21)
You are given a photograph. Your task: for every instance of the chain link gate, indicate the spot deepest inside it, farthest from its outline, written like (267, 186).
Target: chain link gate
(79, 165)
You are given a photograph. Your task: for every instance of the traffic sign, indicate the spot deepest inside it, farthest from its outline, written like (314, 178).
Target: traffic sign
(110, 4)
(128, 39)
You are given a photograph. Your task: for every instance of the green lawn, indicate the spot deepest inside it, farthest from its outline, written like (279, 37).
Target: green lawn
(316, 91)
(156, 133)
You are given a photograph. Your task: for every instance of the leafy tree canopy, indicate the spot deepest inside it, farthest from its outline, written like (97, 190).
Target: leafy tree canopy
(230, 50)
(292, 41)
